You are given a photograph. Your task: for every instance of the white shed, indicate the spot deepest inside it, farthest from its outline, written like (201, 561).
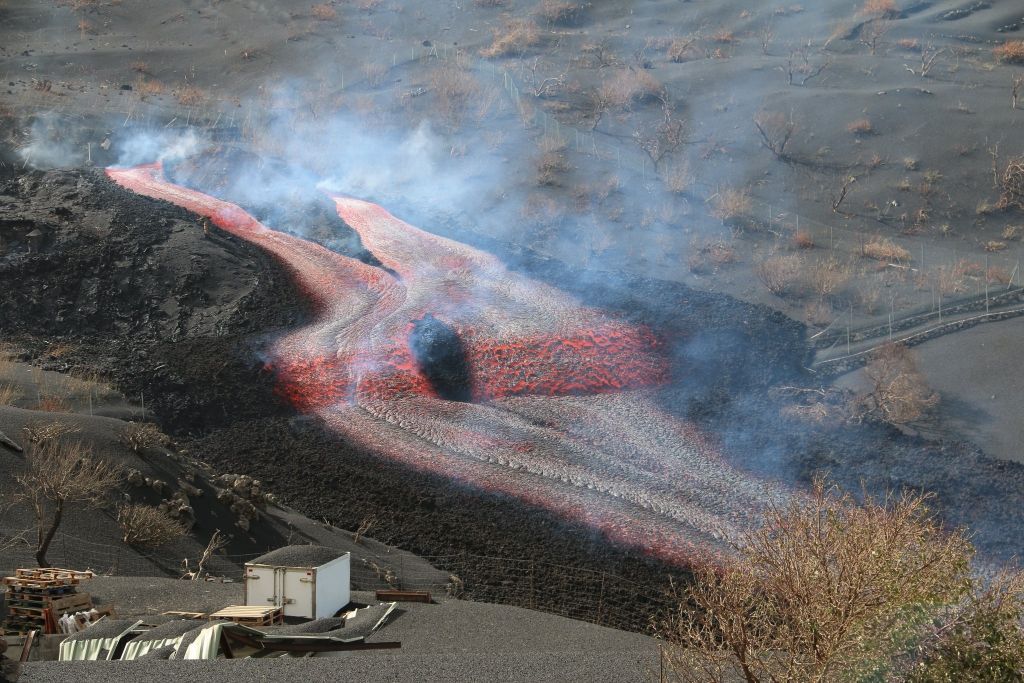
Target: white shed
(308, 581)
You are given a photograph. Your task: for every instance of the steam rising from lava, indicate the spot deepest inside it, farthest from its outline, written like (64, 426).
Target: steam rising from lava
(561, 416)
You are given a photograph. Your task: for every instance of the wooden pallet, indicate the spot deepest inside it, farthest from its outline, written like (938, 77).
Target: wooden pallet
(250, 616)
(39, 584)
(75, 602)
(403, 596)
(185, 615)
(53, 573)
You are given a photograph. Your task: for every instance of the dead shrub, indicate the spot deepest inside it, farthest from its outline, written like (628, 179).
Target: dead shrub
(9, 393)
(141, 436)
(860, 127)
(559, 12)
(190, 95)
(880, 8)
(45, 432)
(1011, 232)
(732, 205)
(140, 66)
(776, 130)
(802, 239)
(1012, 184)
(552, 163)
(490, 3)
(678, 178)
(515, 37)
(683, 50)
(898, 391)
(827, 276)
(779, 274)
(994, 245)
(999, 275)
(324, 12)
(53, 403)
(884, 249)
(709, 255)
(145, 87)
(629, 86)
(453, 89)
(1011, 52)
(145, 526)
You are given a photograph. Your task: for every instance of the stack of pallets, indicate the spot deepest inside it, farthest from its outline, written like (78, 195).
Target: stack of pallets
(37, 598)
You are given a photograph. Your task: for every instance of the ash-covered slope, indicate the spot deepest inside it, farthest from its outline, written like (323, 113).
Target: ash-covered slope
(144, 295)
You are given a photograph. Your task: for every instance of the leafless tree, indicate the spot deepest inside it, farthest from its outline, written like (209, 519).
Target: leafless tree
(776, 130)
(929, 55)
(218, 541)
(818, 592)
(872, 34)
(767, 34)
(799, 68)
(898, 392)
(56, 476)
(844, 190)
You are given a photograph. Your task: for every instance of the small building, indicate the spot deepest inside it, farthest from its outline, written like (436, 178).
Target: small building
(309, 581)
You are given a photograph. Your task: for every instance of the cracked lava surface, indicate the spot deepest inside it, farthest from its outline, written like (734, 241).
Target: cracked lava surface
(561, 414)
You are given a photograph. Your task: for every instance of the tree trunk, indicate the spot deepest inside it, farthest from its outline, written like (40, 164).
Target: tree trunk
(45, 540)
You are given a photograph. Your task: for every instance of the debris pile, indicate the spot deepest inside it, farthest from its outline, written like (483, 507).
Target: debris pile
(48, 600)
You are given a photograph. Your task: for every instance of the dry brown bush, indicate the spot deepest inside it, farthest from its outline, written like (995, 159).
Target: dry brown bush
(551, 164)
(629, 86)
(994, 245)
(490, 3)
(9, 393)
(823, 590)
(860, 127)
(898, 392)
(515, 37)
(802, 239)
(1011, 52)
(140, 66)
(684, 49)
(707, 256)
(53, 403)
(44, 432)
(145, 87)
(1012, 184)
(141, 436)
(453, 89)
(780, 274)
(559, 12)
(879, 8)
(678, 178)
(57, 475)
(324, 12)
(827, 276)
(190, 95)
(145, 526)
(731, 205)
(1011, 232)
(884, 249)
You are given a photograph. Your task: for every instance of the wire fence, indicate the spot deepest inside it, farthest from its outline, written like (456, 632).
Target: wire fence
(574, 592)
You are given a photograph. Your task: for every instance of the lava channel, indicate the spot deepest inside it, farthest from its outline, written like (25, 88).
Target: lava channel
(559, 411)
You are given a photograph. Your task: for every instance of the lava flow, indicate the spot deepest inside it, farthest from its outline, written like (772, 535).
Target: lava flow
(558, 411)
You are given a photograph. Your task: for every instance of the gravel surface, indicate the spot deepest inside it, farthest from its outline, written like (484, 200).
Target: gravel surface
(164, 652)
(299, 556)
(105, 628)
(361, 625)
(146, 597)
(561, 667)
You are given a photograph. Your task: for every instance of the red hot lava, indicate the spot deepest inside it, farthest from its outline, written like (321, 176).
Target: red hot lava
(560, 416)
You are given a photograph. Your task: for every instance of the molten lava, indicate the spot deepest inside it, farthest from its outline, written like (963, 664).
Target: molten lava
(560, 414)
